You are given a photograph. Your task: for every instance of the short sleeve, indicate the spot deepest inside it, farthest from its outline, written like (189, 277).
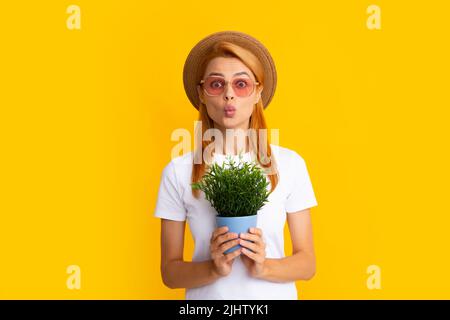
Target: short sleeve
(301, 196)
(169, 204)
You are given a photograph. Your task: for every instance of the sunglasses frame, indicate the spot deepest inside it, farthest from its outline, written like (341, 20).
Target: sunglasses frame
(255, 84)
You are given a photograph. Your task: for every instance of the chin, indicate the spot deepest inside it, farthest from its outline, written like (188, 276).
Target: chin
(229, 122)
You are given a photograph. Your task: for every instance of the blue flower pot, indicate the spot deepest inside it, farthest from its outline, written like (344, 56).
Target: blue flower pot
(237, 225)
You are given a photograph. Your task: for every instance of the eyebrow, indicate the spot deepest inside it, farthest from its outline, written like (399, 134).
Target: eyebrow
(236, 74)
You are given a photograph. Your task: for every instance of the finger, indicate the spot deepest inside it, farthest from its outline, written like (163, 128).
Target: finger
(218, 232)
(251, 237)
(227, 236)
(220, 240)
(250, 245)
(233, 255)
(257, 231)
(227, 245)
(252, 255)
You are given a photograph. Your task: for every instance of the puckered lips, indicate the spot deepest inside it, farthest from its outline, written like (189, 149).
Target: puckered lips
(229, 111)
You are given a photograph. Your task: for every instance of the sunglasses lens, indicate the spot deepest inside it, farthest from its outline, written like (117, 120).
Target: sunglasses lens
(214, 86)
(243, 87)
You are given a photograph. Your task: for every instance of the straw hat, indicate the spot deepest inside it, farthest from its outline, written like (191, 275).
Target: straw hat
(191, 76)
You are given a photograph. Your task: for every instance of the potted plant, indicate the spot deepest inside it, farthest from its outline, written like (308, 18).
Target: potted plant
(237, 190)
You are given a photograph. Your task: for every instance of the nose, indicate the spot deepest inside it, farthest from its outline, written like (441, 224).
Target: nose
(229, 92)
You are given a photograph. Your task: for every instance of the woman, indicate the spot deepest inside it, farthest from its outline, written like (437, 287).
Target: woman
(230, 78)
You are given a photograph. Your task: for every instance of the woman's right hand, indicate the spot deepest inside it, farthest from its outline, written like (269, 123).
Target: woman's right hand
(219, 244)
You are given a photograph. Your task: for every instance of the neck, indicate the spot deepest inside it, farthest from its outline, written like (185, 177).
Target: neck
(238, 143)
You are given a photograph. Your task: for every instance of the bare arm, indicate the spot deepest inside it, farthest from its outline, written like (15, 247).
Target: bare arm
(301, 265)
(177, 273)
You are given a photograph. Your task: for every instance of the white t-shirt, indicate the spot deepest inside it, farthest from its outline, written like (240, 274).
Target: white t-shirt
(294, 192)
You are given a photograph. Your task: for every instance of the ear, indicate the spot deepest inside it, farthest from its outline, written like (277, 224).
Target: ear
(200, 93)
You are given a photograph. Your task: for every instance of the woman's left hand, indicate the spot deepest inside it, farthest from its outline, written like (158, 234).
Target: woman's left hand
(254, 261)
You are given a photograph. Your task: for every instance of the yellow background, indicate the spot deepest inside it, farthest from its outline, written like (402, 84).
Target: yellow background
(86, 118)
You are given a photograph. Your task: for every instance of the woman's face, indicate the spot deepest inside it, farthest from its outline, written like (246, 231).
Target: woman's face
(220, 107)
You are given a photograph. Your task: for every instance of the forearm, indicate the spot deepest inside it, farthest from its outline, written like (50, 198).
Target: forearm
(183, 274)
(299, 266)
